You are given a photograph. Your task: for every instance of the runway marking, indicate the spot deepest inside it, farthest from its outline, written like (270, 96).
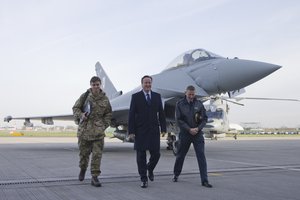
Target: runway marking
(70, 149)
(236, 162)
(215, 174)
(289, 168)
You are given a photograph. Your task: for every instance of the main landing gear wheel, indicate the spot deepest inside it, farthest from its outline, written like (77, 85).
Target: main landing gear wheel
(175, 145)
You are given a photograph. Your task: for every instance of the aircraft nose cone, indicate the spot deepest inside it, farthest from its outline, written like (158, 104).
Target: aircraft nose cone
(235, 74)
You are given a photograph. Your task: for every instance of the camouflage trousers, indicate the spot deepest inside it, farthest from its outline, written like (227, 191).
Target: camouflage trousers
(86, 147)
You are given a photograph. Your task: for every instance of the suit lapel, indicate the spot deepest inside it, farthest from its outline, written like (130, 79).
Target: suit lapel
(142, 96)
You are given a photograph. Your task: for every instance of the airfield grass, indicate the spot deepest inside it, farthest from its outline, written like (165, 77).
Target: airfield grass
(26, 133)
(264, 135)
(6, 133)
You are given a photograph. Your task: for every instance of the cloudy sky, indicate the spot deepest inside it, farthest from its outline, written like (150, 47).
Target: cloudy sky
(48, 49)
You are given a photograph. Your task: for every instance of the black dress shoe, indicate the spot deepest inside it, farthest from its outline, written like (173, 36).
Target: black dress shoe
(144, 184)
(151, 176)
(206, 184)
(95, 182)
(175, 178)
(81, 174)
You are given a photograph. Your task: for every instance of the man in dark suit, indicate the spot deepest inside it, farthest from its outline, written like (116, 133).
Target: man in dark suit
(146, 121)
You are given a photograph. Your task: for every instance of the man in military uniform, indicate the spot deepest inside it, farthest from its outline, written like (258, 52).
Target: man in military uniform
(92, 112)
(191, 117)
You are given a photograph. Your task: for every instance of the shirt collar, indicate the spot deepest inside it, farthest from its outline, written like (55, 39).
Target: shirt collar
(145, 93)
(187, 101)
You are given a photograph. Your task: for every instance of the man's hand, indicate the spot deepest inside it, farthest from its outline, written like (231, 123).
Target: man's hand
(194, 131)
(83, 117)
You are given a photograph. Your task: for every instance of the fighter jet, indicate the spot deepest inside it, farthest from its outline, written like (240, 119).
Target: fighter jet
(209, 73)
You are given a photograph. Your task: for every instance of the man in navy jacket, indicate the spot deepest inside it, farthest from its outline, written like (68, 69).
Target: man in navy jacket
(146, 122)
(191, 118)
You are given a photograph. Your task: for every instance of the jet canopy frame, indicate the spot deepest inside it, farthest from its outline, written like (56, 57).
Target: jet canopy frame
(191, 57)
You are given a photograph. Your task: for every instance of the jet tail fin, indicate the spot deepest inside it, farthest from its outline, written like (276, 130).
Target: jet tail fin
(108, 87)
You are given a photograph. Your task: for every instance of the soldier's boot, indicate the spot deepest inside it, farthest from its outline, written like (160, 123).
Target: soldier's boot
(81, 174)
(95, 182)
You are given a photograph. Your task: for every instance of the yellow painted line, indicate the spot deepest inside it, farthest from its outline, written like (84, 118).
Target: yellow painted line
(215, 174)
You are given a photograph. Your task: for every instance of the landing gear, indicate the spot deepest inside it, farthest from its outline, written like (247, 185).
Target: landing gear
(172, 143)
(212, 135)
(175, 145)
(169, 142)
(235, 136)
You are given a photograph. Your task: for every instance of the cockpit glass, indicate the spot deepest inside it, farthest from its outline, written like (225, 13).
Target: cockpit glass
(192, 56)
(215, 115)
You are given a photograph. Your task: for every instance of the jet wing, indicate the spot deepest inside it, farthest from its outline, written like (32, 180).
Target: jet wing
(263, 98)
(120, 113)
(44, 119)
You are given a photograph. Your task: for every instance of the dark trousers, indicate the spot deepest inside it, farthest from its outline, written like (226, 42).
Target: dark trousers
(143, 166)
(184, 145)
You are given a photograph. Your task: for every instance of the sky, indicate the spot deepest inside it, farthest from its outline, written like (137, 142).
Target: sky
(49, 49)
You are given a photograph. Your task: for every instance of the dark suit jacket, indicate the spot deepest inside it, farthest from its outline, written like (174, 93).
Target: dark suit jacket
(144, 121)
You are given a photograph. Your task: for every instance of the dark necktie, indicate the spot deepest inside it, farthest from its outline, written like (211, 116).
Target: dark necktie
(148, 99)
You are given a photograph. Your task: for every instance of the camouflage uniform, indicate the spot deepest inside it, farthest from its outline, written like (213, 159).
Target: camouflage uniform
(91, 131)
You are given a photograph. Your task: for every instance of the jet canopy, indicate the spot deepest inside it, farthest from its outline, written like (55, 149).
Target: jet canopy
(192, 56)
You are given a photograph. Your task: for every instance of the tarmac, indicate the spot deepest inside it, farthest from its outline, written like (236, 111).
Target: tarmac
(47, 168)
